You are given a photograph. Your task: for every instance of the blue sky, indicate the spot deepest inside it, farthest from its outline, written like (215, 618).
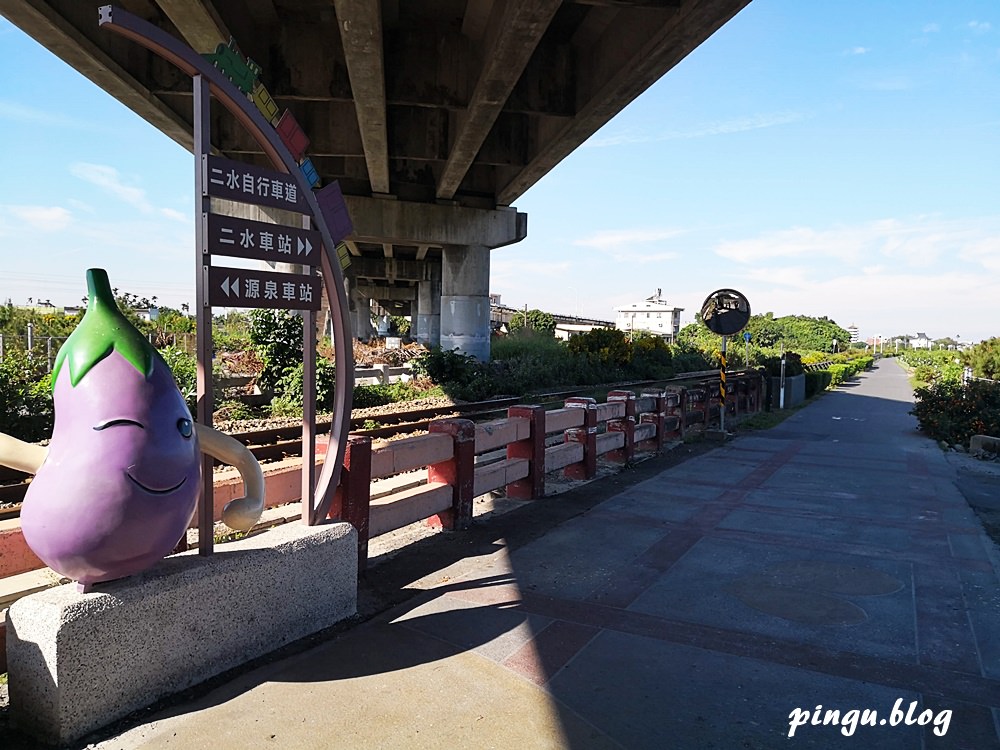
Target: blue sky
(838, 159)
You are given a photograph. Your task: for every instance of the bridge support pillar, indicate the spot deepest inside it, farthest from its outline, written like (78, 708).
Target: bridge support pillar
(361, 313)
(426, 320)
(465, 300)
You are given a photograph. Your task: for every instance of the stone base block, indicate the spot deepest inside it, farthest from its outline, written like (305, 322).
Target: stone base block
(80, 661)
(985, 443)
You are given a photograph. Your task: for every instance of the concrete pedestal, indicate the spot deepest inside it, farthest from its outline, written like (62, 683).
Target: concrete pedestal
(795, 391)
(80, 661)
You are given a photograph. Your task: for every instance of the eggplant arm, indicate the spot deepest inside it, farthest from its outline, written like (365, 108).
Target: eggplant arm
(20, 455)
(243, 512)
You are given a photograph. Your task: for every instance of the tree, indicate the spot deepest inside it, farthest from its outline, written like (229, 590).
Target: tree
(984, 359)
(764, 331)
(802, 333)
(603, 346)
(277, 336)
(541, 322)
(400, 324)
(25, 397)
(169, 324)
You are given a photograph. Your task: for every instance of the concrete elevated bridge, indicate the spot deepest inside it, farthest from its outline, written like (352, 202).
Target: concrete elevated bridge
(434, 117)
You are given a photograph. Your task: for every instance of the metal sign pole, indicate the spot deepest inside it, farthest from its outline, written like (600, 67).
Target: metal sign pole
(203, 309)
(781, 381)
(722, 387)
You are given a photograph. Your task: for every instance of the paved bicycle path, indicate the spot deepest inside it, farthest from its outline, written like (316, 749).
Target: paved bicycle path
(830, 562)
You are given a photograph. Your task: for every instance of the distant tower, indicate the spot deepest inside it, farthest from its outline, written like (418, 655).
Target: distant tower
(855, 336)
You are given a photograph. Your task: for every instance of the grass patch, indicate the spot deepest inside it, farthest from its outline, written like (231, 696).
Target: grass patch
(764, 420)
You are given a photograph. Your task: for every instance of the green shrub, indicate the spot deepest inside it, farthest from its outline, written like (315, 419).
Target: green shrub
(529, 361)
(651, 358)
(605, 346)
(447, 366)
(277, 337)
(815, 358)
(954, 412)
(184, 367)
(289, 387)
(534, 320)
(234, 410)
(687, 359)
(793, 365)
(984, 359)
(817, 381)
(839, 374)
(400, 324)
(285, 406)
(25, 397)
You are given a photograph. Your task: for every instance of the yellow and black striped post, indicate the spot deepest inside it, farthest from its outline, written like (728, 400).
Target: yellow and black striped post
(722, 386)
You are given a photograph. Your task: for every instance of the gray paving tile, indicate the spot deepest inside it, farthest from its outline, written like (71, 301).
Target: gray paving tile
(650, 694)
(713, 585)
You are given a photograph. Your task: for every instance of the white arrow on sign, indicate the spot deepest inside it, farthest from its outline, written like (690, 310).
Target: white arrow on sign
(304, 244)
(234, 286)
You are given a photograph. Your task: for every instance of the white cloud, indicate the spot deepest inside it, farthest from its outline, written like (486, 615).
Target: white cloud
(506, 269)
(980, 27)
(42, 218)
(932, 28)
(857, 51)
(722, 127)
(789, 276)
(617, 238)
(913, 243)
(888, 277)
(174, 215)
(633, 245)
(888, 303)
(109, 179)
(17, 112)
(985, 252)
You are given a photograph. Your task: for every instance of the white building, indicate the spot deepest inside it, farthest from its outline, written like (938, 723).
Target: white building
(855, 334)
(653, 314)
(920, 341)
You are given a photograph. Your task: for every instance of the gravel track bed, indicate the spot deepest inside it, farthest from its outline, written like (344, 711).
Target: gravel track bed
(371, 412)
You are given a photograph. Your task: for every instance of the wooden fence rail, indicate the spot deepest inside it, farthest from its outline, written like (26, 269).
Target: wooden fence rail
(459, 460)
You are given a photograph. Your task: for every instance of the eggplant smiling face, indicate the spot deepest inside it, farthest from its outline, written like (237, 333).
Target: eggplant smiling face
(122, 477)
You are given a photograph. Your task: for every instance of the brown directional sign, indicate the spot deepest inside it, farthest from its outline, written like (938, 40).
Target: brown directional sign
(239, 181)
(241, 287)
(259, 240)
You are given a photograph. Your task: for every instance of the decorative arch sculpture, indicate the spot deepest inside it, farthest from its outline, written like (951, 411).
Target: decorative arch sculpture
(210, 81)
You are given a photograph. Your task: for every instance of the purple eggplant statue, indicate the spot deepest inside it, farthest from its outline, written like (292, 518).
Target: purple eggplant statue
(116, 488)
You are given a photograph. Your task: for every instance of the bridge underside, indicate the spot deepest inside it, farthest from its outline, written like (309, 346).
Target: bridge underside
(433, 116)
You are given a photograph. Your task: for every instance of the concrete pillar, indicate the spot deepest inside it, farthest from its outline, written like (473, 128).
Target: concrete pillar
(427, 318)
(361, 313)
(465, 300)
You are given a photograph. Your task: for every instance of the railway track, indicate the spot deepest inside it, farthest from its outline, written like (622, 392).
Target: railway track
(285, 442)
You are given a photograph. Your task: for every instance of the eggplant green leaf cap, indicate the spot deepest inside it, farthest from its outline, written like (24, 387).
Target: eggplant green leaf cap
(102, 331)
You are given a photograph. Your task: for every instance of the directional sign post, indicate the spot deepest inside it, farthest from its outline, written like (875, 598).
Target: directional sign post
(284, 187)
(248, 183)
(259, 240)
(239, 287)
